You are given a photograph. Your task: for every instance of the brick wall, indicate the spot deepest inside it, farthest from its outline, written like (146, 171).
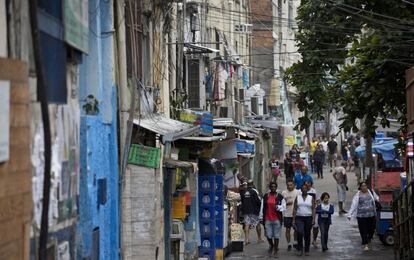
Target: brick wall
(261, 9)
(15, 174)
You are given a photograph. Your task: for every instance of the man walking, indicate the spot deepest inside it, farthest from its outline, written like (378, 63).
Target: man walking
(289, 195)
(303, 177)
(250, 209)
(273, 204)
(341, 182)
(250, 184)
(332, 149)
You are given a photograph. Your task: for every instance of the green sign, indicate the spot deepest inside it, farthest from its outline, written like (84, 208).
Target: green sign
(76, 21)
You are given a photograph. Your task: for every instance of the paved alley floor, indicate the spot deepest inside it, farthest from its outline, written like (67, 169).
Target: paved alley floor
(344, 240)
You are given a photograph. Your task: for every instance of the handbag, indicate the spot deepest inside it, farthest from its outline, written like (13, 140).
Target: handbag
(378, 205)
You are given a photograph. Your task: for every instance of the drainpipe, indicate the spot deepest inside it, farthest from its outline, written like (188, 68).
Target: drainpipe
(124, 104)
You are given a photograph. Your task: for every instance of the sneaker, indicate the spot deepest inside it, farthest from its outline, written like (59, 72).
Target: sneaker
(295, 246)
(366, 248)
(289, 247)
(307, 254)
(300, 253)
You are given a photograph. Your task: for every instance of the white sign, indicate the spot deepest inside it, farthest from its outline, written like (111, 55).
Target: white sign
(4, 119)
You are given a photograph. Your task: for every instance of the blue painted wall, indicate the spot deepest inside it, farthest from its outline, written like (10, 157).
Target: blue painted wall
(98, 148)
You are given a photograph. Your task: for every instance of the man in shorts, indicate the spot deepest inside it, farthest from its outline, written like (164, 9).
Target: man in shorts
(341, 185)
(289, 195)
(273, 204)
(250, 209)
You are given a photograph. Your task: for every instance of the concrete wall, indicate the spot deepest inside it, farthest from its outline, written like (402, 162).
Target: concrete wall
(99, 154)
(142, 218)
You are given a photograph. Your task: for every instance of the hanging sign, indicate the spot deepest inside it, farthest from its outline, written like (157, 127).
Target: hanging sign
(76, 21)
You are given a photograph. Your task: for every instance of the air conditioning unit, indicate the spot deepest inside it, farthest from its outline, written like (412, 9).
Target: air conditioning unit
(242, 93)
(177, 230)
(243, 28)
(226, 112)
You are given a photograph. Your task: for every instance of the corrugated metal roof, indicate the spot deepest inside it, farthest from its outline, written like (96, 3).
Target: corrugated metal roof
(170, 129)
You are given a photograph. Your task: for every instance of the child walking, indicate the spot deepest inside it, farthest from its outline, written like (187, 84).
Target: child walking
(324, 211)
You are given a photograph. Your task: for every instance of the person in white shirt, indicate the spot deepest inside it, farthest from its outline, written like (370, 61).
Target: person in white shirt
(289, 195)
(304, 218)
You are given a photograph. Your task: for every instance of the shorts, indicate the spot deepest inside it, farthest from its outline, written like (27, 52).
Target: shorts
(251, 219)
(331, 157)
(341, 189)
(287, 222)
(273, 229)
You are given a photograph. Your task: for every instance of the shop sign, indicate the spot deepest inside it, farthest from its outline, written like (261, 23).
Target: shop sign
(289, 140)
(76, 22)
(4, 120)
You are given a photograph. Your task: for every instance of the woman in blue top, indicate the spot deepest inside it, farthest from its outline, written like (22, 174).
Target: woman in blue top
(324, 211)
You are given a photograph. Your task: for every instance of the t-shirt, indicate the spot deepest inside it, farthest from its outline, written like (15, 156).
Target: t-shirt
(325, 146)
(290, 197)
(297, 165)
(332, 146)
(340, 174)
(366, 206)
(300, 180)
(313, 147)
(271, 213)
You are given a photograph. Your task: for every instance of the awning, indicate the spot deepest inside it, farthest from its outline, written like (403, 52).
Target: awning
(168, 128)
(246, 155)
(170, 163)
(205, 138)
(272, 124)
(223, 122)
(199, 49)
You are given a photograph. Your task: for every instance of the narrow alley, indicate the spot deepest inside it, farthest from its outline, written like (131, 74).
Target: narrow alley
(344, 239)
(152, 129)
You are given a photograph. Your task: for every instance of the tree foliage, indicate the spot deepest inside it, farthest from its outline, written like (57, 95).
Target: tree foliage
(354, 56)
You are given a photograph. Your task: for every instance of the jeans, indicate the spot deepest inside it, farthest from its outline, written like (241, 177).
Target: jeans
(324, 228)
(319, 168)
(303, 230)
(366, 228)
(273, 229)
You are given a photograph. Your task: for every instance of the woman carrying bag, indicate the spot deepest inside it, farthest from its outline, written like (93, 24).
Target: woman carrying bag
(363, 208)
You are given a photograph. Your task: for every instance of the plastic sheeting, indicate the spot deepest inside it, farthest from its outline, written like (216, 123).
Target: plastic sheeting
(385, 148)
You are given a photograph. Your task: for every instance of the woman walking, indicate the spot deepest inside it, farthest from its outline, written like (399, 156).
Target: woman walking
(304, 219)
(273, 204)
(363, 209)
(324, 211)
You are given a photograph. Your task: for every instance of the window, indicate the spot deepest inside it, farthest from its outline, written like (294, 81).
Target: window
(290, 16)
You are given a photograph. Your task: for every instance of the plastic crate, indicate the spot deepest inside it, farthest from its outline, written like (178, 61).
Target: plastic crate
(218, 184)
(207, 213)
(144, 155)
(218, 198)
(219, 241)
(219, 227)
(206, 183)
(208, 243)
(207, 254)
(206, 199)
(218, 212)
(207, 229)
